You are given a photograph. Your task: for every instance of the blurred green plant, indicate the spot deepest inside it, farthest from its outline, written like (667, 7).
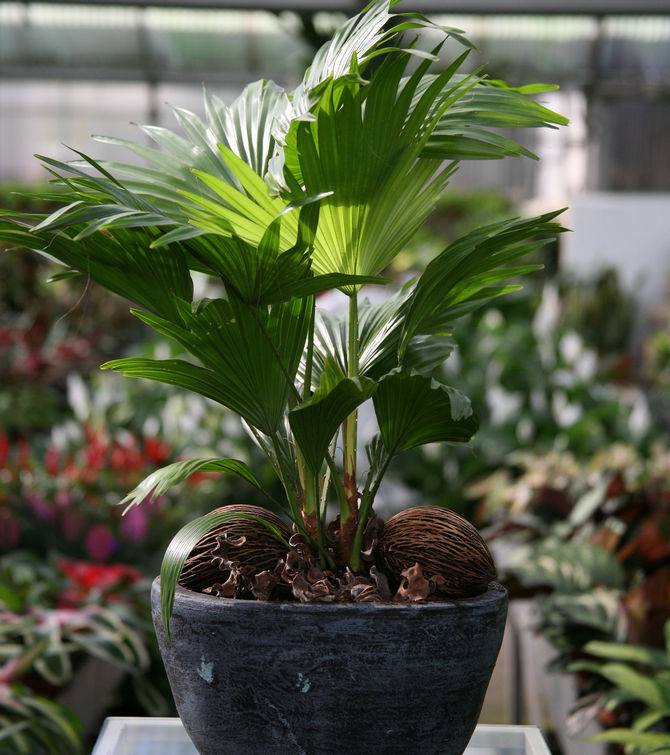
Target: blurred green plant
(53, 615)
(48, 330)
(639, 675)
(31, 723)
(590, 540)
(601, 312)
(656, 361)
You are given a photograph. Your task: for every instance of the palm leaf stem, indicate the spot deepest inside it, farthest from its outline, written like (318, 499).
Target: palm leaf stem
(272, 452)
(340, 492)
(350, 423)
(284, 478)
(303, 471)
(324, 492)
(309, 357)
(375, 476)
(349, 506)
(312, 499)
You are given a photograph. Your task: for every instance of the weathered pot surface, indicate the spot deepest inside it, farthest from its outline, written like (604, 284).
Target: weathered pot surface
(278, 677)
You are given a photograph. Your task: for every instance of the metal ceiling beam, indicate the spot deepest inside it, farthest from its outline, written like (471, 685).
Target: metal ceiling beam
(114, 74)
(534, 7)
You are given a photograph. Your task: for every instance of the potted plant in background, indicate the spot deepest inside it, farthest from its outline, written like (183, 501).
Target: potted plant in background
(587, 541)
(363, 633)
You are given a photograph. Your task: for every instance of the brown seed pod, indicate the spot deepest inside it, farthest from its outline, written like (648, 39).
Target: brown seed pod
(446, 546)
(247, 542)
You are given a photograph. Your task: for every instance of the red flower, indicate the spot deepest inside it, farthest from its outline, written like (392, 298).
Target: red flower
(88, 578)
(4, 450)
(126, 457)
(95, 453)
(24, 453)
(156, 451)
(52, 461)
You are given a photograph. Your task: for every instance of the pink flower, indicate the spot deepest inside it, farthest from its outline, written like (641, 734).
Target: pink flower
(62, 499)
(40, 506)
(100, 543)
(134, 525)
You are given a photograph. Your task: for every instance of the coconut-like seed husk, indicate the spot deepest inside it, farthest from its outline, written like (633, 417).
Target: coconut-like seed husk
(449, 550)
(245, 543)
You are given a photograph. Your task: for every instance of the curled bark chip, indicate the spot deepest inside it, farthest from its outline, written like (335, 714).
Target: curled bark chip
(264, 585)
(413, 586)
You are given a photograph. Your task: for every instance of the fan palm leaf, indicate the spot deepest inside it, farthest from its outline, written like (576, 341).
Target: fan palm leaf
(365, 147)
(413, 410)
(248, 357)
(467, 272)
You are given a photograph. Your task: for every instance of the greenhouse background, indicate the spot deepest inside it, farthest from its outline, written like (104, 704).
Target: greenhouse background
(571, 377)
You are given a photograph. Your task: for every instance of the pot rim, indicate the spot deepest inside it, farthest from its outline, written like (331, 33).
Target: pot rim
(494, 594)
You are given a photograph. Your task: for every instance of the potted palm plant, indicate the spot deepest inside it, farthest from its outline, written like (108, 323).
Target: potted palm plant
(363, 637)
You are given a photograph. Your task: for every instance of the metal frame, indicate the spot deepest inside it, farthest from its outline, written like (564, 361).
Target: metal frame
(147, 71)
(469, 7)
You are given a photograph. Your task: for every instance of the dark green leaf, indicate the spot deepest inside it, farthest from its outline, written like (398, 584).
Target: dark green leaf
(124, 263)
(413, 410)
(315, 421)
(465, 273)
(176, 372)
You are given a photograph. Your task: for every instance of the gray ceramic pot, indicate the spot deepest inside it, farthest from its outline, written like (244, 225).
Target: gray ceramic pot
(255, 677)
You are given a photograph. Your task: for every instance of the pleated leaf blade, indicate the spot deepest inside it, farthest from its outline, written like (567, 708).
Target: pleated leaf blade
(160, 481)
(315, 422)
(414, 409)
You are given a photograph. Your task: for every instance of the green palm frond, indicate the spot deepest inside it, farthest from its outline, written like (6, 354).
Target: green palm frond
(182, 544)
(467, 273)
(413, 410)
(249, 366)
(365, 147)
(245, 128)
(161, 480)
(124, 263)
(380, 328)
(463, 132)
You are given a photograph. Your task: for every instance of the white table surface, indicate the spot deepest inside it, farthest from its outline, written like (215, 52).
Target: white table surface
(166, 736)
